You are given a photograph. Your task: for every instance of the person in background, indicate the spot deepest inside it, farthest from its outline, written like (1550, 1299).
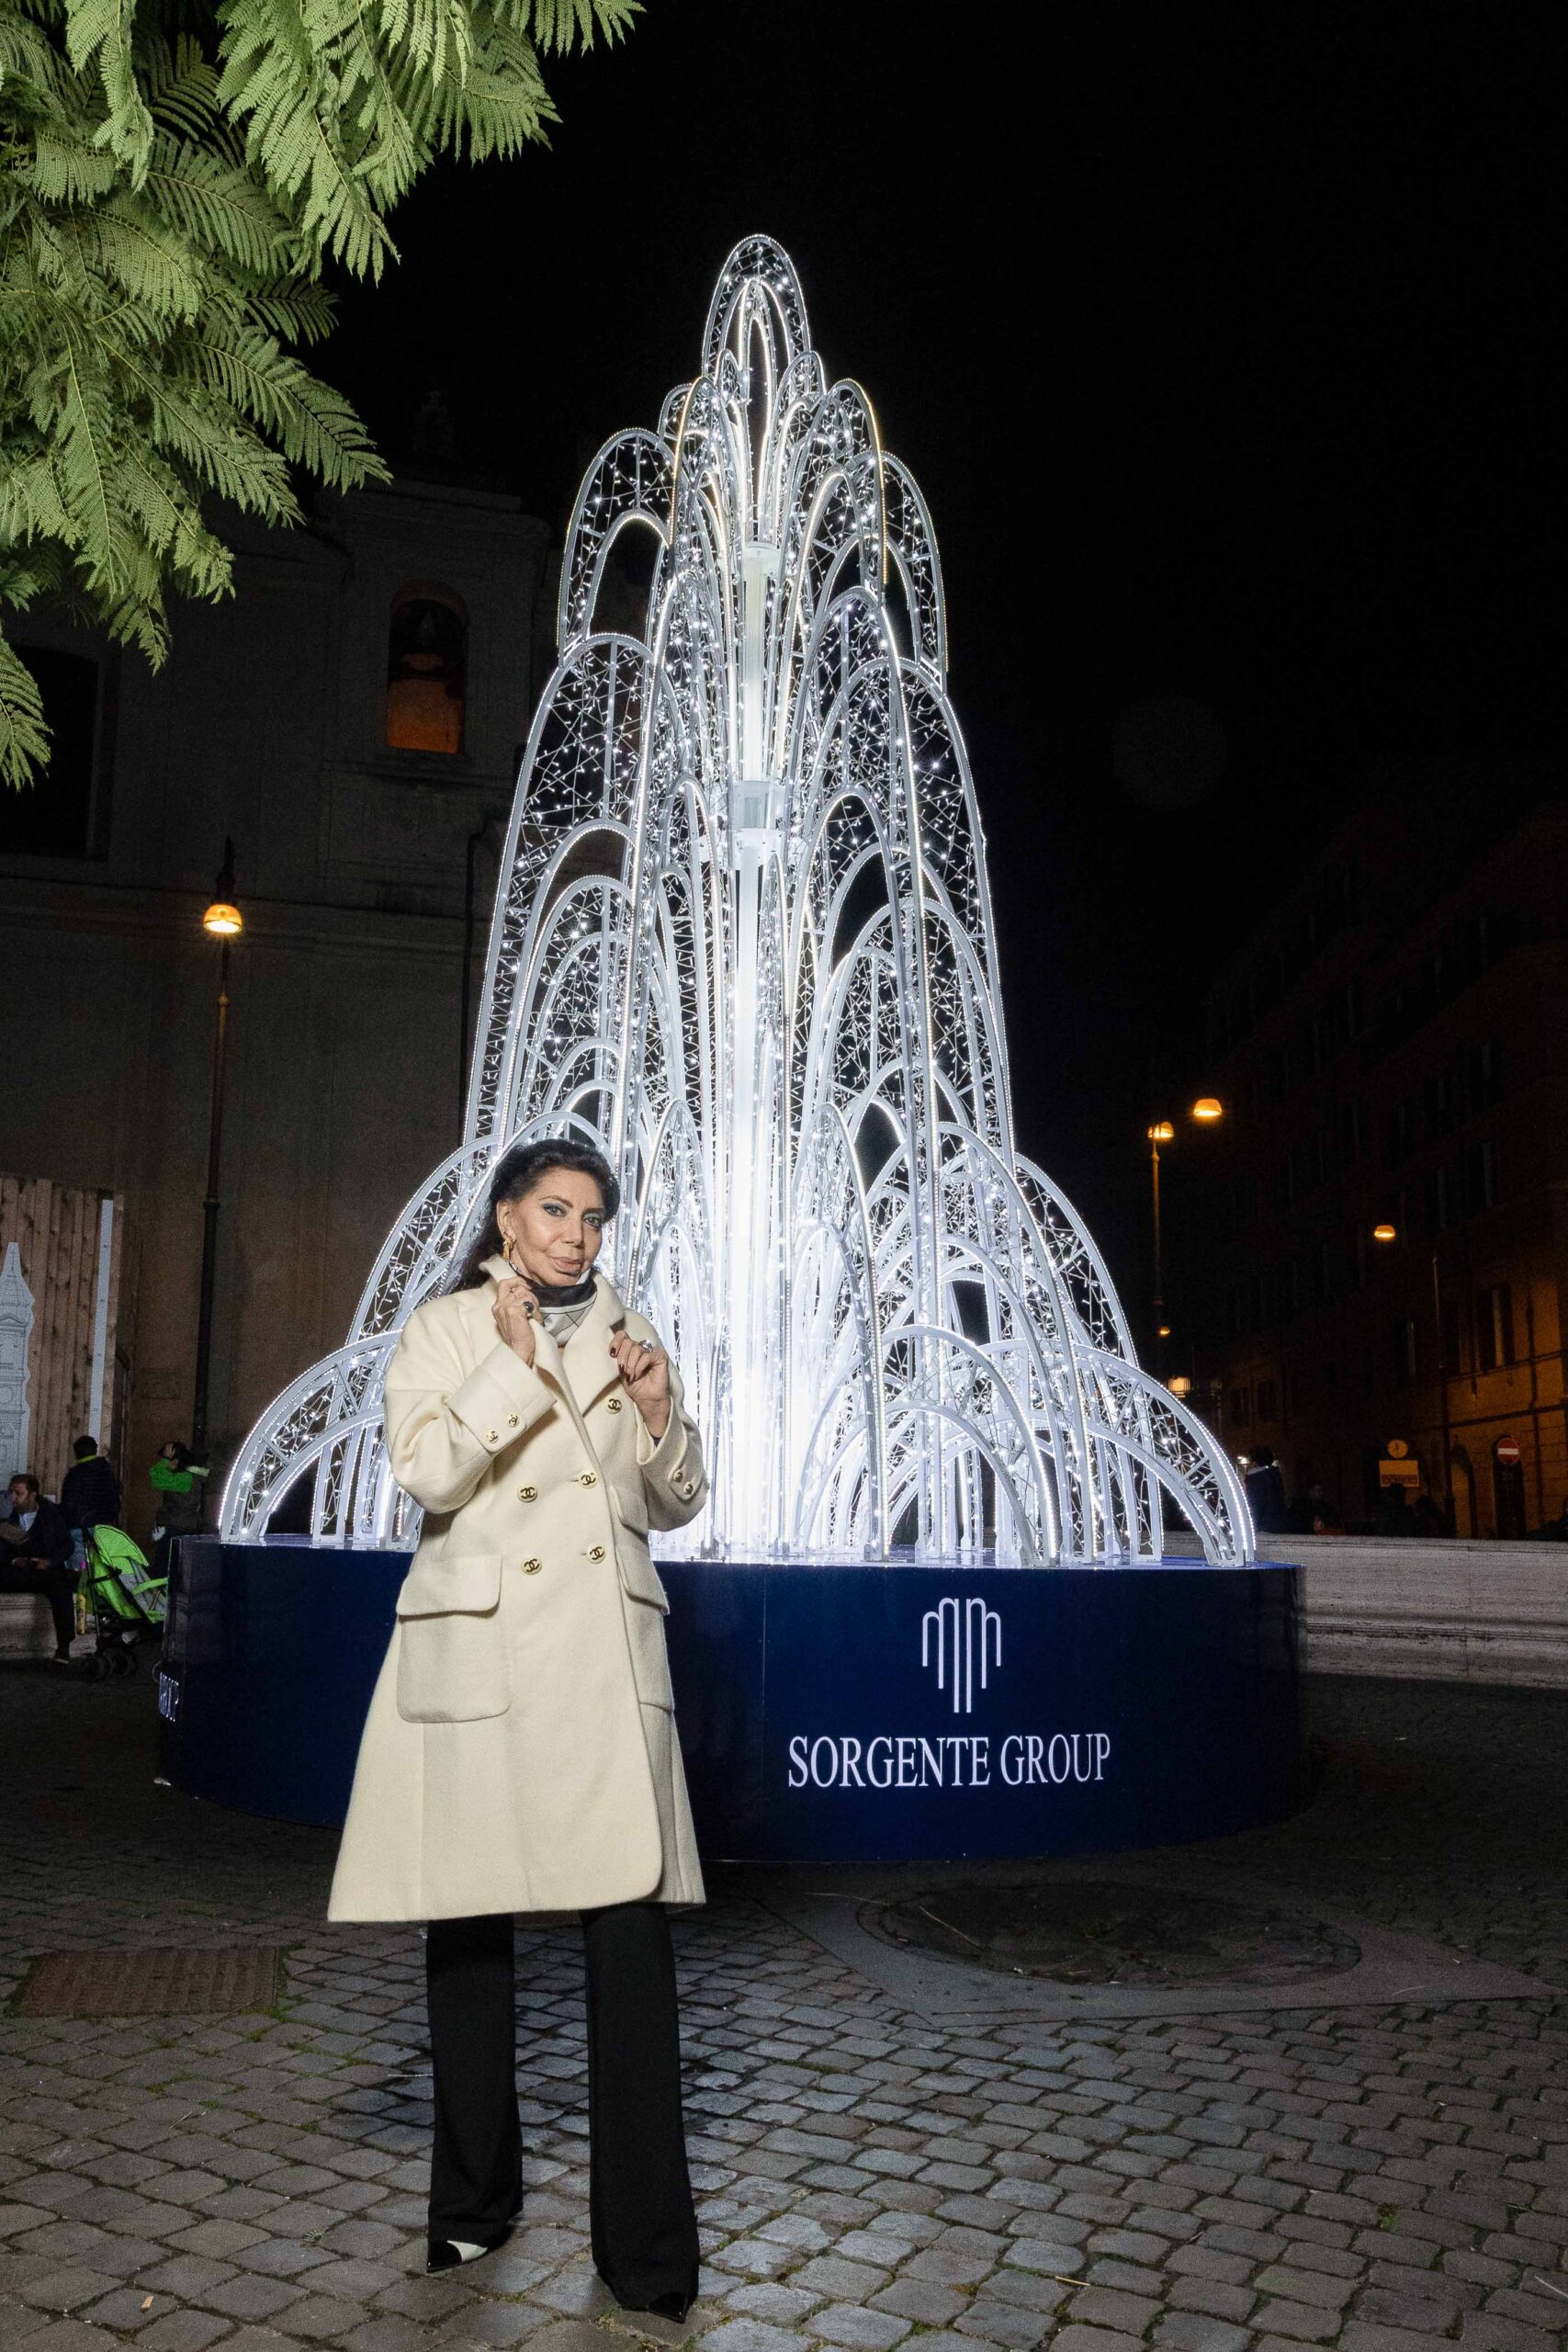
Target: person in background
(1322, 1519)
(178, 1499)
(89, 1496)
(39, 1561)
(1393, 1515)
(1266, 1493)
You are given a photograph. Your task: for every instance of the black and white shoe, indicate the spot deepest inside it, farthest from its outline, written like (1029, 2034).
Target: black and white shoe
(450, 2254)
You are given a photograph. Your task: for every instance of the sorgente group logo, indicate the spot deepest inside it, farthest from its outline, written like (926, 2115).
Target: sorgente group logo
(963, 1639)
(961, 1646)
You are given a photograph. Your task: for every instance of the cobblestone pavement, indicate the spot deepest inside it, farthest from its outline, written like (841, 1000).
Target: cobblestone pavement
(1377, 2178)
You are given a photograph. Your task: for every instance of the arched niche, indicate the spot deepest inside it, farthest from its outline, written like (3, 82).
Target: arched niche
(427, 669)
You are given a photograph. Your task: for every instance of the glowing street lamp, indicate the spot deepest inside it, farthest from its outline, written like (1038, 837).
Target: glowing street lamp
(1206, 1110)
(223, 921)
(1385, 1233)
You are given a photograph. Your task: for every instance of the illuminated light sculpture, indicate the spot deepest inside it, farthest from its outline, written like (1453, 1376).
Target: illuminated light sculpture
(743, 943)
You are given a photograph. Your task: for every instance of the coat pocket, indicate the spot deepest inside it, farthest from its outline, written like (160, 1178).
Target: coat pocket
(440, 1584)
(453, 1666)
(637, 1572)
(631, 1506)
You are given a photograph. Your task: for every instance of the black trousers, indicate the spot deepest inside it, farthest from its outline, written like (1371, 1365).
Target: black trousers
(57, 1585)
(643, 2225)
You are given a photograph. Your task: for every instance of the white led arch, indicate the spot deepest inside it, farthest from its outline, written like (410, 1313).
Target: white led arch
(743, 943)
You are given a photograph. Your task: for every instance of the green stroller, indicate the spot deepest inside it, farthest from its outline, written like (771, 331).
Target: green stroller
(127, 1602)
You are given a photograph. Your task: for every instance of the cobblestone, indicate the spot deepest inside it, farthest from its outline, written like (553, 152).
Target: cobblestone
(1376, 2179)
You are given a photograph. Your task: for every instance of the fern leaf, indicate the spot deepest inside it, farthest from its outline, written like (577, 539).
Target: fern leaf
(67, 172)
(24, 738)
(147, 260)
(100, 33)
(218, 208)
(556, 23)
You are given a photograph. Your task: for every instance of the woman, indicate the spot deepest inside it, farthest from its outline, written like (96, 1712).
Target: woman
(520, 1752)
(178, 1500)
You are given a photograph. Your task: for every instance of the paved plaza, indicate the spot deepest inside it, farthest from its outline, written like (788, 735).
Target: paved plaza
(871, 2167)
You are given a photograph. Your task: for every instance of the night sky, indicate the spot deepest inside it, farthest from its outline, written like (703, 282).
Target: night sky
(1221, 340)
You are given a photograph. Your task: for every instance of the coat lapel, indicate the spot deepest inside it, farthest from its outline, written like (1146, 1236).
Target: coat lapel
(584, 1368)
(590, 1367)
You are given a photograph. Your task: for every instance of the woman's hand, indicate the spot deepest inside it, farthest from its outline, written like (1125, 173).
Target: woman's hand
(645, 1369)
(516, 1310)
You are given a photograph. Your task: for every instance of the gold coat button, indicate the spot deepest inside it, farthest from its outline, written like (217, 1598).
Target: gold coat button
(527, 1494)
(614, 1406)
(532, 1568)
(596, 1552)
(493, 1437)
(512, 1421)
(587, 1478)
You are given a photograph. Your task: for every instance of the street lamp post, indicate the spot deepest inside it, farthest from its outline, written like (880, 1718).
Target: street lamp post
(1161, 1132)
(223, 922)
(1206, 1110)
(1386, 1233)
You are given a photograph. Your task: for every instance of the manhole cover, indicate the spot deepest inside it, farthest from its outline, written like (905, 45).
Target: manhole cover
(1100, 1932)
(148, 1983)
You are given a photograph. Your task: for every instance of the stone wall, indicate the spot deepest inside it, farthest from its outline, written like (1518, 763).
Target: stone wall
(1465, 1612)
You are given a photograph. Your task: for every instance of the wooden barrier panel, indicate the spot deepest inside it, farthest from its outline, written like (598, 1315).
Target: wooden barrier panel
(70, 1240)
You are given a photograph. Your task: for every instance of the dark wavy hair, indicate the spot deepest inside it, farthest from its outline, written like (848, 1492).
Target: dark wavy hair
(523, 1169)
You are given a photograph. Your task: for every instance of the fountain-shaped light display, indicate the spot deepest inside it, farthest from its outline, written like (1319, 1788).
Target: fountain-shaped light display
(743, 943)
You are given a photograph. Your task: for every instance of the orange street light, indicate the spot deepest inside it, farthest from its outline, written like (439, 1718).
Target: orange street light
(1384, 1233)
(223, 921)
(1162, 1132)
(1208, 1107)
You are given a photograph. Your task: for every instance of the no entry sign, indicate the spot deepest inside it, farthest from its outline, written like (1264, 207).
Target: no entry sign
(1506, 1448)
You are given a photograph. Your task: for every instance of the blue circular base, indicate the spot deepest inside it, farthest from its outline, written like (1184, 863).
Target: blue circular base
(861, 1714)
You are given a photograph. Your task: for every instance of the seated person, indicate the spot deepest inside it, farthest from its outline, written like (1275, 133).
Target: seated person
(39, 1559)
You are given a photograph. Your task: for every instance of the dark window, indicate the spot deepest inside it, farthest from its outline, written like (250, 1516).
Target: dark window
(1485, 1074)
(1240, 1408)
(1400, 1131)
(1268, 1401)
(1437, 1190)
(1481, 1176)
(1403, 1341)
(427, 670)
(59, 814)
(1493, 1328)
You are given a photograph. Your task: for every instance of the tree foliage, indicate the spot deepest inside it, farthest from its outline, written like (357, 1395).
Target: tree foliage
(176, 178)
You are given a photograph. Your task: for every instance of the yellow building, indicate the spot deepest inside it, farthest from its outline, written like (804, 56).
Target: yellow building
(1384, 1211)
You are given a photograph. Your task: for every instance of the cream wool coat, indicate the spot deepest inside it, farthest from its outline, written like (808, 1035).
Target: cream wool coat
(519, 1753)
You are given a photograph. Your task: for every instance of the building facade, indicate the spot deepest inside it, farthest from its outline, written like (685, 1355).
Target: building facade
(353, 719)
(1380, 1288)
